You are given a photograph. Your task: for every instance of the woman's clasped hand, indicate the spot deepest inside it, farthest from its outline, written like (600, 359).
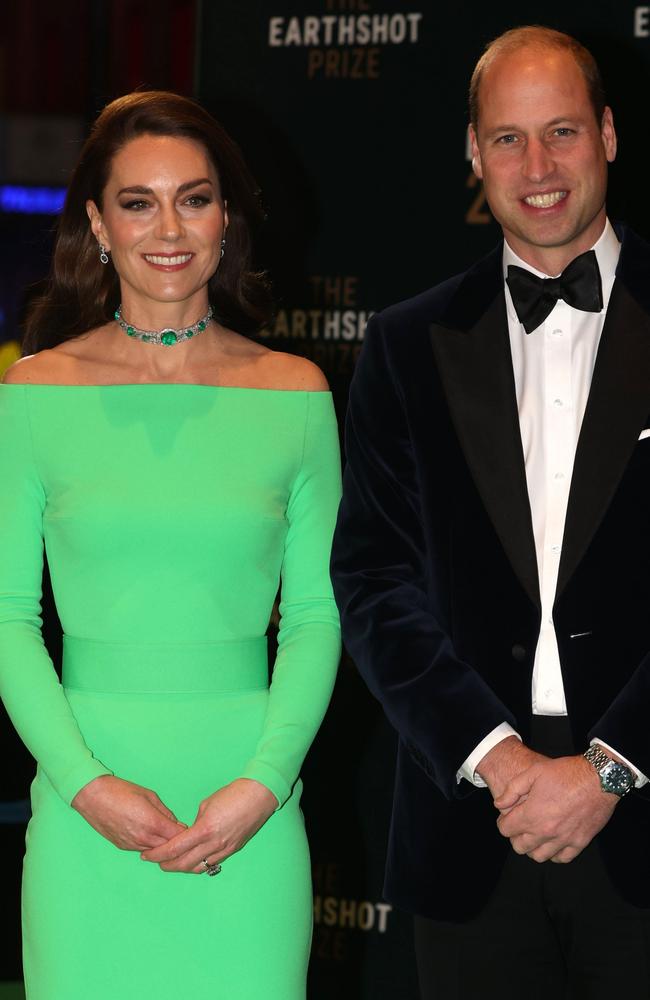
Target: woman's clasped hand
(226, 820)
(135, 819)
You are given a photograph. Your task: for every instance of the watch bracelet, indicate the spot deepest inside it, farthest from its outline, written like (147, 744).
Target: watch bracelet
(597, 756)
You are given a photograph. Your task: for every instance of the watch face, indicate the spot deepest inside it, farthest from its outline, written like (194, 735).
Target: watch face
(616, 778)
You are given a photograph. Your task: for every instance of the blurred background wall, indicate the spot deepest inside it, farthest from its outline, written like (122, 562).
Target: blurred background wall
(352, 116)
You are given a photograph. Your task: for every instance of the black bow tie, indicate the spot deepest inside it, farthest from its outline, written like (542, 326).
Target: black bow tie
(534, 298)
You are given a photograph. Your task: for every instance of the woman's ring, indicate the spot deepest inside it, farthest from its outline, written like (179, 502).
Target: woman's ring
(211, 869)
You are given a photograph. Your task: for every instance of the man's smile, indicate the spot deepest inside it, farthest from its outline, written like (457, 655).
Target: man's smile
(547, 200)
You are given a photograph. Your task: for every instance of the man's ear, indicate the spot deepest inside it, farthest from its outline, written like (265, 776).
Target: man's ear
(608, 133)
(476, 156)
(96, 223)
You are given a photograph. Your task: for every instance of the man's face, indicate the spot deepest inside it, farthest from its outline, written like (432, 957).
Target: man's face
(542, 155)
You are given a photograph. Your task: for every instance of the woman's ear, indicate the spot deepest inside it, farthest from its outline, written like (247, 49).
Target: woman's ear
(96, 223)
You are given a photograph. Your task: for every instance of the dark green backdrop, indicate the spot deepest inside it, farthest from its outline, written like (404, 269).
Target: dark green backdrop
(359, 147)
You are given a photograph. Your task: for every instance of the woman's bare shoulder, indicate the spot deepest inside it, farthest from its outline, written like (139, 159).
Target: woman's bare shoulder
(64, 364)
(50, 367)
(252, 364)
(290, 371)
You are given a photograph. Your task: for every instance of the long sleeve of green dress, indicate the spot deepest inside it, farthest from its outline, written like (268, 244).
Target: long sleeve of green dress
(309, 637)
(29, 685)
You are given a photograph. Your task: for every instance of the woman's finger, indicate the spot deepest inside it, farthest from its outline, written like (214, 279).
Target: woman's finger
(213, 859)
(193, 861)
(175, 847)
(158, 804)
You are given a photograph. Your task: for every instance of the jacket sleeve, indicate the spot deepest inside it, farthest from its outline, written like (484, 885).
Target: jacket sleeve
(439, 705)
(309, 639)
(29, 685)
(624, 726)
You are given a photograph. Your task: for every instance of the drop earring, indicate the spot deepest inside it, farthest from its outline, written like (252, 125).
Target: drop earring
(103, 256)
(223, 244)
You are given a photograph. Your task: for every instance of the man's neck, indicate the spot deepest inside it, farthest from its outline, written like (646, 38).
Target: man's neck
(552, 260)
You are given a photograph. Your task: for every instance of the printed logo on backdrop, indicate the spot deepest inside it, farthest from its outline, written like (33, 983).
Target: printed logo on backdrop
(337, 920)
(642, 22)
(330, 330)
(478, 213)
(347, 40)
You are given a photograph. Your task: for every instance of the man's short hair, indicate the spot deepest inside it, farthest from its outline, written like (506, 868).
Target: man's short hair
(537, 36)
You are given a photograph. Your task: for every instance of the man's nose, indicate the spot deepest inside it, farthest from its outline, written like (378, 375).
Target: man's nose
(538, 162)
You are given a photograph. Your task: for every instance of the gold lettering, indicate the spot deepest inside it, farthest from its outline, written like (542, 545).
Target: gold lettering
(315, 62)
(281, 328)
(344, 64)
(334, 290)
(478, 213)
(329, 945)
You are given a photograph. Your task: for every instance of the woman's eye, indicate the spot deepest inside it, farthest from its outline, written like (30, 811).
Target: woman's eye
(198, 200)
(136, 205)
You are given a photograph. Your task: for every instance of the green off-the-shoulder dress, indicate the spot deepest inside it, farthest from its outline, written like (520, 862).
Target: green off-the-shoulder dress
(170, 514)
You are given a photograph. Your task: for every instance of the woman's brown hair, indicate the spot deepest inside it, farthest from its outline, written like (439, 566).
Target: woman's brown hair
(81, 292)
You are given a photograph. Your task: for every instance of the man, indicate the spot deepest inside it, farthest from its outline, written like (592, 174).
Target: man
(491, 561)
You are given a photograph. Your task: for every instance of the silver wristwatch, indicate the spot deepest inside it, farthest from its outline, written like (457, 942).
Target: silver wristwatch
(614, 776)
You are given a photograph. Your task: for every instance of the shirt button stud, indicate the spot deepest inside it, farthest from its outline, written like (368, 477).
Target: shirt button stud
(557, 402)
(518, 652)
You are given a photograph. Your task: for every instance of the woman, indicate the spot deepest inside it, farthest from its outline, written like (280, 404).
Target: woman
(176, 471)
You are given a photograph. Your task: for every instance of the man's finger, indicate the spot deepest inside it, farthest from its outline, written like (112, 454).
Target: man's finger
(565, 856)
(514, 822)
(544, 852)
(515, 789)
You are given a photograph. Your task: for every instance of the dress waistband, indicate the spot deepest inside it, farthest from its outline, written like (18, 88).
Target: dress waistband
(236, 665)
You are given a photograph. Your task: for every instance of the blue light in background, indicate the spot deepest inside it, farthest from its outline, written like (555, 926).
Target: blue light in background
(31, 200)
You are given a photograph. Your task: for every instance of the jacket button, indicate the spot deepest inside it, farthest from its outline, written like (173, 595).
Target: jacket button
(518, 652)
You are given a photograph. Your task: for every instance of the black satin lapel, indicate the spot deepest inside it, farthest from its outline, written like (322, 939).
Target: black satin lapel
(616, 412)
(476, 370)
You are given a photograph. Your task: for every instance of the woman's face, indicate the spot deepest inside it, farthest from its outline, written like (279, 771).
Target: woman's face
(162, 219)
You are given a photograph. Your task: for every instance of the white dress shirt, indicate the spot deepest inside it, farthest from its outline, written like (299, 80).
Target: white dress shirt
(552, 367)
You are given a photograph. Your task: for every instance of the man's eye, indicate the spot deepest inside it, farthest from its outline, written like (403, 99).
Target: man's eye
(507, 140)
(563, 131)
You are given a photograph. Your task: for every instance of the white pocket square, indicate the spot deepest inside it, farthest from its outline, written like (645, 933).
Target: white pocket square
(644, 434)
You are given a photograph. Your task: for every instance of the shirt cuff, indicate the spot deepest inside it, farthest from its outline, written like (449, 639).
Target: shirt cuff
(641, 779)
(467, 770)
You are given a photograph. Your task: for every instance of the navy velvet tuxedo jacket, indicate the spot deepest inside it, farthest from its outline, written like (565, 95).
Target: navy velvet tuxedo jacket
(435, 571)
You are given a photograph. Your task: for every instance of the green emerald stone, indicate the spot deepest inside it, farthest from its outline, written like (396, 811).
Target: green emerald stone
(130, 331)
(201, 325)
(116, 314)
(168, 338)
(146, 338)
(189, 333)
